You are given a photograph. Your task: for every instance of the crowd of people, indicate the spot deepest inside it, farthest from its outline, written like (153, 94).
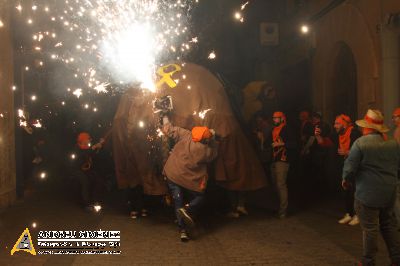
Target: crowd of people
(364, 163)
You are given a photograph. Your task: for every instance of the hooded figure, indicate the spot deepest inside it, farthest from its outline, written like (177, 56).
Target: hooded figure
(186, 170)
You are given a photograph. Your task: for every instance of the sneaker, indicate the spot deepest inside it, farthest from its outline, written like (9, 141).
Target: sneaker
(184, 236)
(354, 220)
(233, 214)
(282, 215)
(242, 210)
(346, 218)
(144, 213)
(186, 217)
(134, 215)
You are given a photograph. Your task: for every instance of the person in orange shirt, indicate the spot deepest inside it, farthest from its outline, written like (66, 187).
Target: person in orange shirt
(281, 143)
(396, 123)
(346, 135)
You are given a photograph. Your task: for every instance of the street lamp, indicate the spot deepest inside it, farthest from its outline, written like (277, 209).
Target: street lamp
(305, 29)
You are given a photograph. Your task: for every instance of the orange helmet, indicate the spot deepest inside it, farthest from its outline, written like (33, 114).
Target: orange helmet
(280, 115)
(200, 133)
(344, 120)
(396, 112)
(83, 140)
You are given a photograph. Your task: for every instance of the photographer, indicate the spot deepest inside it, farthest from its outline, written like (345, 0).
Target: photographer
(319, 153)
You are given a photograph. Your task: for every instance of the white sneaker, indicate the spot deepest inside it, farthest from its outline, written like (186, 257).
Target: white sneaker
(346, 218)
(242, 210)
(354, 220)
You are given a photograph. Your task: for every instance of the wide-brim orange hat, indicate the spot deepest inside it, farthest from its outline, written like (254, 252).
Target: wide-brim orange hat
(200, 133)
(374, 120)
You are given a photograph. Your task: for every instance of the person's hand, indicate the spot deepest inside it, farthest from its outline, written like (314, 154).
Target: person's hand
(165, 120)
(97, 146)
(277, 144)
(343, 152)
(212, 132)
(346, 184)
(317, 131)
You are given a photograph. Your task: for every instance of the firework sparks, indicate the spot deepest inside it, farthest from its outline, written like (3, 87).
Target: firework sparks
(110, 42)
(244, 5)
(97, 208)
(37, 124)
(202, 114)
(102, 87)
(212, 55)
(77, 93)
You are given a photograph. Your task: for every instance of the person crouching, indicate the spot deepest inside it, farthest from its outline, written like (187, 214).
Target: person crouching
(186, 170)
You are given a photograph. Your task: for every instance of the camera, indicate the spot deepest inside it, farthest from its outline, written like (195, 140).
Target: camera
(163, 105)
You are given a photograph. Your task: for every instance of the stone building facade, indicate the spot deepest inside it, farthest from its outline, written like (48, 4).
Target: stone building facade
(7, 112)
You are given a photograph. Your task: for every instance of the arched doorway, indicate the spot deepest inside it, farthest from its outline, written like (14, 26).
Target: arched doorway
(343, 89)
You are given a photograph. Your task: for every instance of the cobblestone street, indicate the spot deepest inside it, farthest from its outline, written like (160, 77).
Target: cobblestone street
(308, 237)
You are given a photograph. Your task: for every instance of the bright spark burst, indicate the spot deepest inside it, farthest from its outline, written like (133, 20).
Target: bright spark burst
(212, 55)
(97, 208)
(77, 93)
(244, 5)
(202, 114)
(102, 87)
(21, 113)
(159, 133)
(37, 124)
(122, 41)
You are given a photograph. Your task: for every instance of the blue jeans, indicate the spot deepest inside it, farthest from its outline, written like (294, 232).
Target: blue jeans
(177, 195)
(373, 220)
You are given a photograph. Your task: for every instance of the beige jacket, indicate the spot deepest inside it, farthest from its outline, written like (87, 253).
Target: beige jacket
(187, 164)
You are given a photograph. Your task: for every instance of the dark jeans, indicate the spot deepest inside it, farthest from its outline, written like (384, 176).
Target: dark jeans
(372, 220)
(193, 206)
(236, 199)
(349, 199)
(135, 199)
(90, 186)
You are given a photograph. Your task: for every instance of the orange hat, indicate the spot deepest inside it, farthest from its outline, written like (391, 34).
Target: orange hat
(396, 112)
(200, 133)
(280, 115)
(83, 140)
(373, 119)
(344, 120)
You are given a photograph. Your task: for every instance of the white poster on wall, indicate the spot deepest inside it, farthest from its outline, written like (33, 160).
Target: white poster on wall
(269, 34)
